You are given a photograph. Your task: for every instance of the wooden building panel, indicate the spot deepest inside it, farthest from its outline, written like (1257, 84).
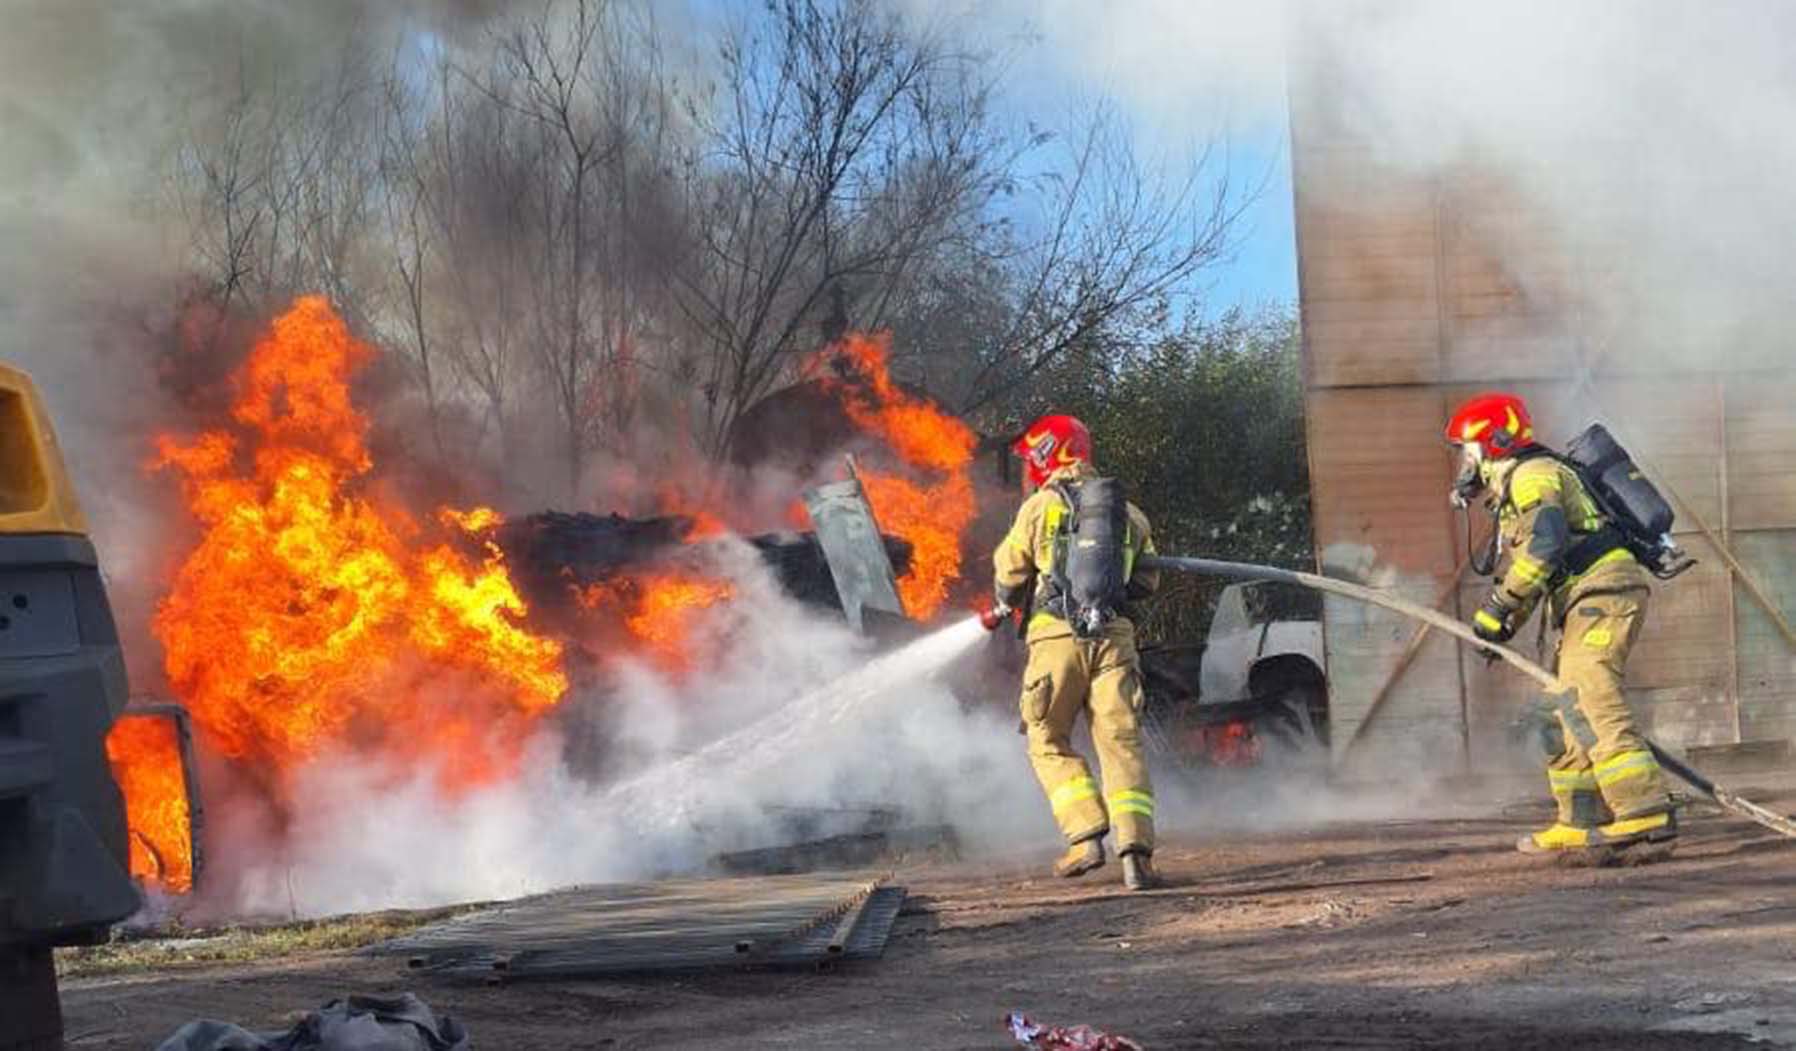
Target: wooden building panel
(1770, 354)
(1485, 258)
(1342, 196)
(1419, 290)
(1343, 222)
(1397, 361)
(1391, 201)
(1686, 637)
(1767, 662)
(1673, 428)
(1680, 676)
(1346, 310)
(1504, 351)
(1351, 274)
(1370, 316)
(1330, 164)
(1686, 715)
(1377, 363)
(1373, 279)
(1761, 451)
(1485, 288)
(1348, 336)
(1420, 725)
(1505, 290)
(1378, 243)
(1379, 477)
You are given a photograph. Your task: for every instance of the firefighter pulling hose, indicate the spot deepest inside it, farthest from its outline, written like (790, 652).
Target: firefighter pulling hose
(1441, 622)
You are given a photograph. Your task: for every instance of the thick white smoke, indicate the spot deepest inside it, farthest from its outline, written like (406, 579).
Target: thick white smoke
(96, 100)
(793, 712)
(1653, 130)
(1648, 135)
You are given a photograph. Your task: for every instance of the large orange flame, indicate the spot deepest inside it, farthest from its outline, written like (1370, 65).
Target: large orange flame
(930, 514)
(659, 610)
(314, 614)
(706, 524)
(144, 751)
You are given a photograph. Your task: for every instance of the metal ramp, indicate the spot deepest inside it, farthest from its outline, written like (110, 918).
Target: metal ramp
(668, 926)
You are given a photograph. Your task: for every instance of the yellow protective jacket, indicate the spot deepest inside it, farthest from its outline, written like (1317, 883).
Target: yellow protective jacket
(1546, 517)
(1025, 559)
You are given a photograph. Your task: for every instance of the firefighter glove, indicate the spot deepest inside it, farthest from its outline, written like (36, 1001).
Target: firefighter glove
(1495, 620)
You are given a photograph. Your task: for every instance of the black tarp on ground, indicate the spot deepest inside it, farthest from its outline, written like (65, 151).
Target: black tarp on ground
(358, 1023)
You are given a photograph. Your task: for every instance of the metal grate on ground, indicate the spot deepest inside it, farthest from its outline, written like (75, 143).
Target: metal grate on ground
(671, 925)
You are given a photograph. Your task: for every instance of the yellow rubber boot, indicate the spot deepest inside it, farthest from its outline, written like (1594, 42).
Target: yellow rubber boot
(1581, 812)
(1652, 828)
(1558, 837)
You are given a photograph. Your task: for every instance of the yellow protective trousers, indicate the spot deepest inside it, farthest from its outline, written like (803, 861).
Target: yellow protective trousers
(1603, 768)
(1101, 677)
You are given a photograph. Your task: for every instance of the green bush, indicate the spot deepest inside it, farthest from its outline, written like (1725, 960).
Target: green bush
(1205, 427)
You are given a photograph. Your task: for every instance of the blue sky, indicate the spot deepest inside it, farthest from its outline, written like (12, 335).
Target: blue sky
(1265, 266)
(1229, 94)
(1224, 84)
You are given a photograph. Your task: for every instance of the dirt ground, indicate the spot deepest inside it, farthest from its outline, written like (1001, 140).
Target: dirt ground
(1358, 936)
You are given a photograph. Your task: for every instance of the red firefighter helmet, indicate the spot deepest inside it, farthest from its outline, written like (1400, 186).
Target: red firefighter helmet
(1050, 443)
(1497, 423)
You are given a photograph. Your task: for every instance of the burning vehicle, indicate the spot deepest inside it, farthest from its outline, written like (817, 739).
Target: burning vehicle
(321, 609)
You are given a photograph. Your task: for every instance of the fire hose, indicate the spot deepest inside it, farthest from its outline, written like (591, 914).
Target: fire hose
(1723, 798)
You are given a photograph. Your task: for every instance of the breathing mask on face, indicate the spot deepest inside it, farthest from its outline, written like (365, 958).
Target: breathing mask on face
(1469, 481)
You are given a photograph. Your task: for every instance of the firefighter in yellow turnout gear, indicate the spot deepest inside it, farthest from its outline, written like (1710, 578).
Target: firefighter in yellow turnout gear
(1079, 666)
(1607, 785)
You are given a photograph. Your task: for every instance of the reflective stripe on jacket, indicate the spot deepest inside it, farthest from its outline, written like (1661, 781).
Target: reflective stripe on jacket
(1546, 513)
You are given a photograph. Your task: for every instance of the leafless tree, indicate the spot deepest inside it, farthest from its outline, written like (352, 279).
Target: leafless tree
(414, 218)
(481, 179)
(582, 77)
(1116, 236)
(278, 184)
(842, 144)
(552, 236)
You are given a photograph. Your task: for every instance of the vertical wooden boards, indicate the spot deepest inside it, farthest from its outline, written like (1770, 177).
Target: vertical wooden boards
(1379, 477)
(1551, 272)
(1767, 665)
(1368, 271)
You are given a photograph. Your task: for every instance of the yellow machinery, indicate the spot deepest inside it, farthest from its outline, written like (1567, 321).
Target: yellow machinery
(63, 863)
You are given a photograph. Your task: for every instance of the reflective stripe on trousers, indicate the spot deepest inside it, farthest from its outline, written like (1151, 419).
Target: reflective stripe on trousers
(1101, 679)
(1601, 738)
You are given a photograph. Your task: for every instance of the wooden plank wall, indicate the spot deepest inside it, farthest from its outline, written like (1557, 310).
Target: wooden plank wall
(1420, 288)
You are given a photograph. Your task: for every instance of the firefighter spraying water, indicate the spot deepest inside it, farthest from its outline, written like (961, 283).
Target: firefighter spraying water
(1068, 568)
